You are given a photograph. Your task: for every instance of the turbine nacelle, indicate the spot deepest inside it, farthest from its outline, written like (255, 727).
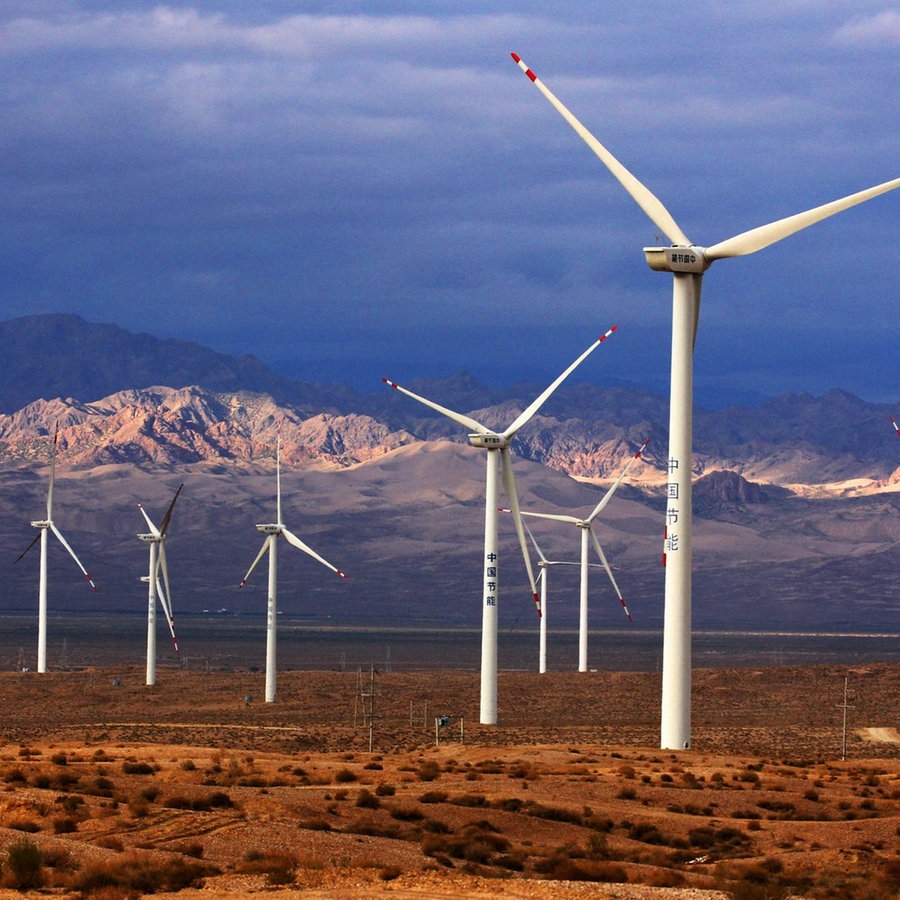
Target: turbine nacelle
(41, 523)
(489, 441)
(151, 538)
(677, 259)
(271, 528)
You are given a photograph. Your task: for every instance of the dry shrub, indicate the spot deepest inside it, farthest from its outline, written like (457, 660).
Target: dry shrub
(344, 776)
(407, 813)
(429, 770)
(560, 866)
(367, 824)
(29, 826)
(141, 874)
(24, 867)
(367, 800)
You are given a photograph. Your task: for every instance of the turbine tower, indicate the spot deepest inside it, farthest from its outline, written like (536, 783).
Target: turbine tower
(44, 526)
(687, 262)
(496, 443)
(270, 546)
(156, 588)
(587, 535)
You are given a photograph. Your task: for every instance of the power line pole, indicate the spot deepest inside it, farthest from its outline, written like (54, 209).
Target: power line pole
(844, 706)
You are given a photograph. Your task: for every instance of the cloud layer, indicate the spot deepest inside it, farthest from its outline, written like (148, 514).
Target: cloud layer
(368, 189)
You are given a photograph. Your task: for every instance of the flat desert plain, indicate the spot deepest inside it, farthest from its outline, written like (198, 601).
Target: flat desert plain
(346, 787)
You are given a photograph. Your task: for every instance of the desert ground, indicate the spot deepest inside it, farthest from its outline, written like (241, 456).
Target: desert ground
(346, 787)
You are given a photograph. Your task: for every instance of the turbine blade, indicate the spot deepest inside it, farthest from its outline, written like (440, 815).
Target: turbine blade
(278, 474)
(639, 192)
(608, 495)
(462, 419)
(293, 539)
(37, 537)
(758, 238)
(535, 544)
(509, 483)
(554, 517)
(52, 472)
(539, 401)
(255, 562)
(166, 592)
(602, 556)
(147, 519)
(896, 426)
(163, 591)
(65, 544)
(164, 525)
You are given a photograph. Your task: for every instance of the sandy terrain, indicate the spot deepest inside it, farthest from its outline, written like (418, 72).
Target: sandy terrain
(196, 787)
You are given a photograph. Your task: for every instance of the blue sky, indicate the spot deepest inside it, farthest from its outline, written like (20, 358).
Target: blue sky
(356, 189)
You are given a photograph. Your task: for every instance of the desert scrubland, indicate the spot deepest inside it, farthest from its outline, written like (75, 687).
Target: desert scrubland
(109, 788)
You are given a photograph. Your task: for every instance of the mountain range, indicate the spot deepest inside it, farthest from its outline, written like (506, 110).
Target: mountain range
(797, 498)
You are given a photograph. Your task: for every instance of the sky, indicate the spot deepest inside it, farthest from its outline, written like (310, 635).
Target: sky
(351, 190)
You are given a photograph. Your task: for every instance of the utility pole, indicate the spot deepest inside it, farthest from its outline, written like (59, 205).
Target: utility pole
(844, 706)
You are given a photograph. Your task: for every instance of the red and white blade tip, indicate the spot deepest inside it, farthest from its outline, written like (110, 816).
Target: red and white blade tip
(896, 426)
(537, 603)
(243, 582)
(528, 72)
(91, 582)
(608, 333)
(390, 383)
(340, 573)
(622, 601)
(642, 448)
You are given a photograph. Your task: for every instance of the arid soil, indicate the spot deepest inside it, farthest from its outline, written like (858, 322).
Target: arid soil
(196, 787)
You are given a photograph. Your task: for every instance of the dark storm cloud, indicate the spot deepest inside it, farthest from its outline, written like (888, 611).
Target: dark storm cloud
(366, 189)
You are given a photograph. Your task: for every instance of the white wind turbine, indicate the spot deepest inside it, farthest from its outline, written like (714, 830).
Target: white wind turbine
(687, 263)
(270, 545)
(493, 441)
(156, 588)
(586, 527)
(45, 526)
(544, 578)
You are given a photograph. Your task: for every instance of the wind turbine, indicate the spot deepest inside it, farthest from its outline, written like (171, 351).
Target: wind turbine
(544, 578)
(586, 527)
(687, 263)
(155, 587)
(270, 545)
(45, 526)
(498, 458)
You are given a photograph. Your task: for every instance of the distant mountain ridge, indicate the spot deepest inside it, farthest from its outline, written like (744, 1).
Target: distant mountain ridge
(199, 406)
(797, 500)
(63, 355)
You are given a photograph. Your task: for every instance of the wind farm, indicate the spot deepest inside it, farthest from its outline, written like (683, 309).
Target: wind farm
(222, 224)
